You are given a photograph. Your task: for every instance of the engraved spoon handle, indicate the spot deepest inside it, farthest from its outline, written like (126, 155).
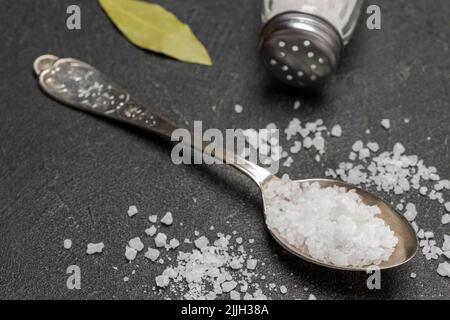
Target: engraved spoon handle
(83, 87)
(79, 85)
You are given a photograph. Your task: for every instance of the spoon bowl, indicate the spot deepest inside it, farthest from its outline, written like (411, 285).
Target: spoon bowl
(407, 245)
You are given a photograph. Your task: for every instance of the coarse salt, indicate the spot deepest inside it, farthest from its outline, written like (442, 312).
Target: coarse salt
(67, 244)
(93, 248)
(132, 210)
(334, 224)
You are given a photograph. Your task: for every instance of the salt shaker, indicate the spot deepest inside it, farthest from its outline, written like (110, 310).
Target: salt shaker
(302, 40)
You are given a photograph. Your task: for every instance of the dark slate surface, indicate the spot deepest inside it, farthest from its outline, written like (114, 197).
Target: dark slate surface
(64, 174)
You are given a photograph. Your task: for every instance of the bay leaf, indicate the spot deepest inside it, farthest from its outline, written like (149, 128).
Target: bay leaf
(150, 26)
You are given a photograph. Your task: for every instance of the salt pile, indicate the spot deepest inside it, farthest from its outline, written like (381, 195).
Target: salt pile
(212, 269)
(334, 224)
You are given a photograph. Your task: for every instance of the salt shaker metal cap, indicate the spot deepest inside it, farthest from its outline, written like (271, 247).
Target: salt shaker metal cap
(301, 41)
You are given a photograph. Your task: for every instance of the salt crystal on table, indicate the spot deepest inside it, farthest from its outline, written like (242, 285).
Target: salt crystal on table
(162, 281)
(364, 154)
(167, 219)
(239, 240)
(312, 297)
(173, 243)
(201, 242)
(238, 108)
(67, 244)
(251, 264)
(234, 295)
(283, 289)
(136, 244)
(95, 248)
(336, 131)
(130, 253)
(413, 275)
(444, 269)
(153, 218)
(327, 220)
(151, 231)
(160, 240)
(423, 191)
(386, 123)
(411, 212)
(447, 206)
(296, 147)
(445, 219)
(357, 146)
(297, 105)
(132, 210)
(152, 254)
(227, 286)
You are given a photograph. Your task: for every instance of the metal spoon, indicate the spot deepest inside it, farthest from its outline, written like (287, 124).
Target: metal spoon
(81, 86)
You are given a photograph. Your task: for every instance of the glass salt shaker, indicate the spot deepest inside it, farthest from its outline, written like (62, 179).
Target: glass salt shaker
(302, 40)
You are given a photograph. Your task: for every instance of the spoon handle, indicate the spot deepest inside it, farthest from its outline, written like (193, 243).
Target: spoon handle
(79, 85)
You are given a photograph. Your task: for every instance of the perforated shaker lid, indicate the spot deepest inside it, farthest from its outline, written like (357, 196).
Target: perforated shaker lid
(300, 49)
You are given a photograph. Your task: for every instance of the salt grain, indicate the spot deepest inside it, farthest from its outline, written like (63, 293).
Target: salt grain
(67, 244)
(160, 240)
(136, 244)
(444, 269)
(445, 219)
(93, 248)
(151, 231)
(167, 219)
(132, 210)
(336, 131)
(386, 124)
(153, 218)
(174, 243)
(162, 281)
(130, 253)
(152, 254)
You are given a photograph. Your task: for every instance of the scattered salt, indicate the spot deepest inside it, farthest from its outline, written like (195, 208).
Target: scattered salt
(174, 243)
(386, 124)
(167, 219)
(445, 219)
(93, 248)
(153, 218)
(227, 286)
(160, 240)
(201, 242)
(334, 224)
(234, 295)
(162, 281)
(151, 231)
(152, 254)
(132, 210)
(336, 131)
(130, 253)
(136, 244)
(251, 264)
(238, 108)
(67, 244)
(444, 269)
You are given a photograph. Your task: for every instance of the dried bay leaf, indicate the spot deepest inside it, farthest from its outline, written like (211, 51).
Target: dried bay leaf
(150, 26)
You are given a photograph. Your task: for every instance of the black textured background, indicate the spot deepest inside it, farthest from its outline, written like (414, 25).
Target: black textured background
(64, 174)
